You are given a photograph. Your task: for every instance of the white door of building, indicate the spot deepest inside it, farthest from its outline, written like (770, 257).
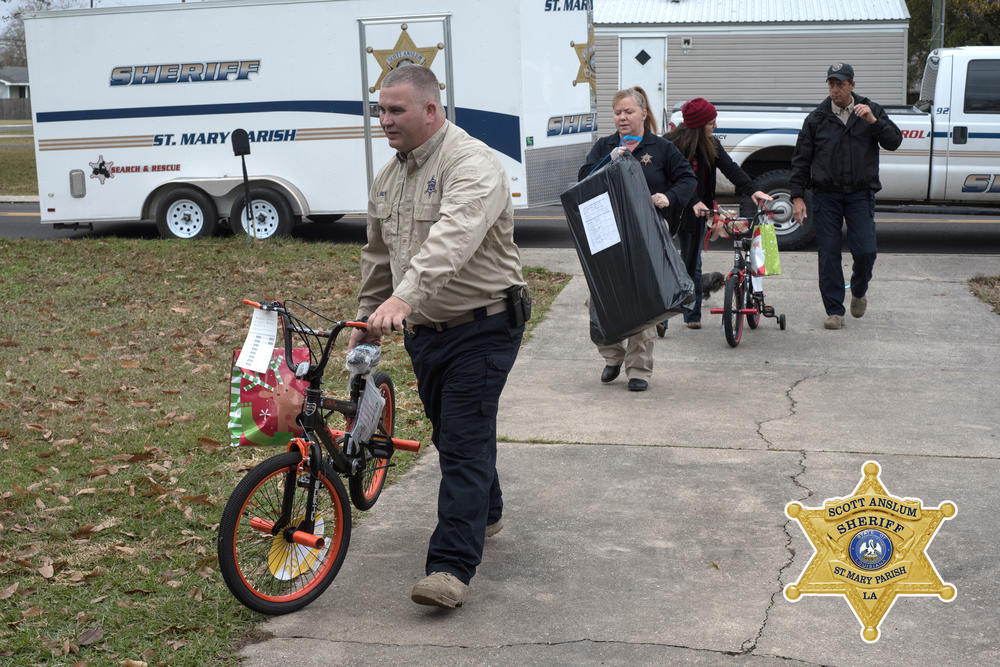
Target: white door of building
(644, 63)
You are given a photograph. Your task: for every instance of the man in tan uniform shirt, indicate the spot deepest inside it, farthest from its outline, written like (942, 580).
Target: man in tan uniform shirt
(441, 262)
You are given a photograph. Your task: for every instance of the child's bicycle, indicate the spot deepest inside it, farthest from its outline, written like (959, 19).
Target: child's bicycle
(743, 295)
(286, 527)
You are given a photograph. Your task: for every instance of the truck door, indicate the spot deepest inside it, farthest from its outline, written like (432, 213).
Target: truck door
(974, 136)
(644, 64)
(388, 43)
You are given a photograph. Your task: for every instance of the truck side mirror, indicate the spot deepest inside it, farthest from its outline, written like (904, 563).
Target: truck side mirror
(241, 142)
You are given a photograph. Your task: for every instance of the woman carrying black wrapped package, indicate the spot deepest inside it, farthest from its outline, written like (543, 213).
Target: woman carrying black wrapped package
(695, 140)
(671, 183)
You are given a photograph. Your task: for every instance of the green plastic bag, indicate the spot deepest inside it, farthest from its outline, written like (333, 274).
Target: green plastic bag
(772, 263)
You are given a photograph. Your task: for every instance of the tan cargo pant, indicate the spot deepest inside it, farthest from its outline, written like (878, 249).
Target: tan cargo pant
(635, 352)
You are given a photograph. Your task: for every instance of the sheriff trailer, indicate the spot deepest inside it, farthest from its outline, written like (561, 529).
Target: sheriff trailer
(132, 122)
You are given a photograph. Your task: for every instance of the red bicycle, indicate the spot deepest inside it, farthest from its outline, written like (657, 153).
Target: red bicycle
(744, 295)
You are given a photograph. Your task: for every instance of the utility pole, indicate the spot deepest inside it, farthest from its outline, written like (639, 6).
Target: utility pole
(937, 24)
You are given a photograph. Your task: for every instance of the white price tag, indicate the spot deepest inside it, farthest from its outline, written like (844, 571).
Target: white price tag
(256, 352)
(599, 223)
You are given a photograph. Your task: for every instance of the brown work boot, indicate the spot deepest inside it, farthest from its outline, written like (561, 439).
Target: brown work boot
(494, 528)
(858, 305)
(834, 322)
(439, 589)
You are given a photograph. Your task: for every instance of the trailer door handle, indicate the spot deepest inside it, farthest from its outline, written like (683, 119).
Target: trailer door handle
(959, 134)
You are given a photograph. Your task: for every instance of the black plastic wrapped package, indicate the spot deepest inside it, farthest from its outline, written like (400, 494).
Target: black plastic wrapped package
(635, 273)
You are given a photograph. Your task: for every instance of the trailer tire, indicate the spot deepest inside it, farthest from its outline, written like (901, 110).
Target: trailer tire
(791, 235)
(186, 213)
(272, 214)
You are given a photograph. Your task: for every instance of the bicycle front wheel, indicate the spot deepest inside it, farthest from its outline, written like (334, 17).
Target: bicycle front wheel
(753, 319)
(366, 485)
(732, 318)
(262, 567)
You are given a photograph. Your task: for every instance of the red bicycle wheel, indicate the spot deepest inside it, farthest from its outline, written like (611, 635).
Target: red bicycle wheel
(732, 317)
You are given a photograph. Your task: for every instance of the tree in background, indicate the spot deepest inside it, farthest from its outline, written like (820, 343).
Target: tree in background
(966, 23)
(12, 31)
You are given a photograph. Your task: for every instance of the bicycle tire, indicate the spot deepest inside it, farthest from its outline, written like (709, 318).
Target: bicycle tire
(366, 485)
(732, 318)
(266, 572)
(752, 319)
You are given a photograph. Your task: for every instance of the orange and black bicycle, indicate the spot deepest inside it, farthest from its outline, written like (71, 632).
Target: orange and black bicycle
(285, 530)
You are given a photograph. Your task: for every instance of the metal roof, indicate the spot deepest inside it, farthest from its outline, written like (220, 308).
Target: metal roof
(14, 76)
(747, 11)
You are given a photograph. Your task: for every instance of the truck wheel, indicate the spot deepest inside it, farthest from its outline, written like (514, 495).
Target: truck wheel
(272, 216)
(186, 213)
(791, 235)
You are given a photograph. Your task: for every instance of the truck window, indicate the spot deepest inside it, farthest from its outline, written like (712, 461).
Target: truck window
(982, 87)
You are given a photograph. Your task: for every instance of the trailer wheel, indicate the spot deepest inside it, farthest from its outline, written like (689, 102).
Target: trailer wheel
(272, 216)
(791, 235)
(186, 213)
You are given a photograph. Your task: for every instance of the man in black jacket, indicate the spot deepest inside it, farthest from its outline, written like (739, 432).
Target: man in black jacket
(836, 156)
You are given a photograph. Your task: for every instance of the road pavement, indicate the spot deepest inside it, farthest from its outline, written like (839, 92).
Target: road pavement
(649, 528)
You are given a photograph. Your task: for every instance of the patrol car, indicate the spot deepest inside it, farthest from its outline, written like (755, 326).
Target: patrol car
(950, 152)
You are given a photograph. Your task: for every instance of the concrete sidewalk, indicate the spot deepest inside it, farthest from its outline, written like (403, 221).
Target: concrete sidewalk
(649, 528)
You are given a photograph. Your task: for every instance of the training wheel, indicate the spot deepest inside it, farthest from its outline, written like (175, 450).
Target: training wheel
(781, 321)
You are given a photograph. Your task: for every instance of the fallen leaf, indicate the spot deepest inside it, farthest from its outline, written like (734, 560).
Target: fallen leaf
(10, 590)
(87, 492)
(83, 531)
(194, 593)
(46, 571)
(32, 612)
(88, 637)
(133, 663)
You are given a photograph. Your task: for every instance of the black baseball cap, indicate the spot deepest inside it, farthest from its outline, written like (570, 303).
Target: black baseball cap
(841, 71)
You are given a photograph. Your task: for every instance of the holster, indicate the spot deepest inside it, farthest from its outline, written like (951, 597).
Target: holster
(518, 304)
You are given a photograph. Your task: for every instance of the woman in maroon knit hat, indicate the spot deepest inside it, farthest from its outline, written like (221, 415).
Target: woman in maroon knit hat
(695, 140)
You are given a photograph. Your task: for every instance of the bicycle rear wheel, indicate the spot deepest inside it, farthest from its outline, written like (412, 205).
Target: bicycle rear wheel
(366, 485)
(265, 571)
(732, 318)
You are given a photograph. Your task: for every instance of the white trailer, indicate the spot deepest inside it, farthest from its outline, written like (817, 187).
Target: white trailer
(134, 107)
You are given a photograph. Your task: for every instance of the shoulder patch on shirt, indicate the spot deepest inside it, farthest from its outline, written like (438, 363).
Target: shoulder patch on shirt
(431, 185)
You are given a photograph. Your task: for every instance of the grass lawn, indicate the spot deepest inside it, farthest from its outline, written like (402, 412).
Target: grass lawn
(115, 357)
(17, 167)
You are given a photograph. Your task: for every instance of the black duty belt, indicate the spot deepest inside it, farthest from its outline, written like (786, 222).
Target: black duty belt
(465, 318)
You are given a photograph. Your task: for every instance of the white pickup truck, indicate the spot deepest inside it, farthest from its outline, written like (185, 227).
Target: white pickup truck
(950, 152)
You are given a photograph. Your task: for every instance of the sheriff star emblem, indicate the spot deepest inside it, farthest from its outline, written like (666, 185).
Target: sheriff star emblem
(870, 548)
(405, 52)
(585, 54)
(646, 158)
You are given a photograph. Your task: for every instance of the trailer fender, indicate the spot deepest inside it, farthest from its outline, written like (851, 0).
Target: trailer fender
(224, 190)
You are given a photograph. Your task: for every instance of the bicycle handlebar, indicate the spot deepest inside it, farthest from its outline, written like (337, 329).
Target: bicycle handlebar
(288, 327)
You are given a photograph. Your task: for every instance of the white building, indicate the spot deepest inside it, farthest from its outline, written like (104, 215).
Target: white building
(746, 50)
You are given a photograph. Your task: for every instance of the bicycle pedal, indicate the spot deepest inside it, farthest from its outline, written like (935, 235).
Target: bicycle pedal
(768, 311)
(381, 452)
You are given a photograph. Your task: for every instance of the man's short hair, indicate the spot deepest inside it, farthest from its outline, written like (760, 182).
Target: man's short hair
(421, 78)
